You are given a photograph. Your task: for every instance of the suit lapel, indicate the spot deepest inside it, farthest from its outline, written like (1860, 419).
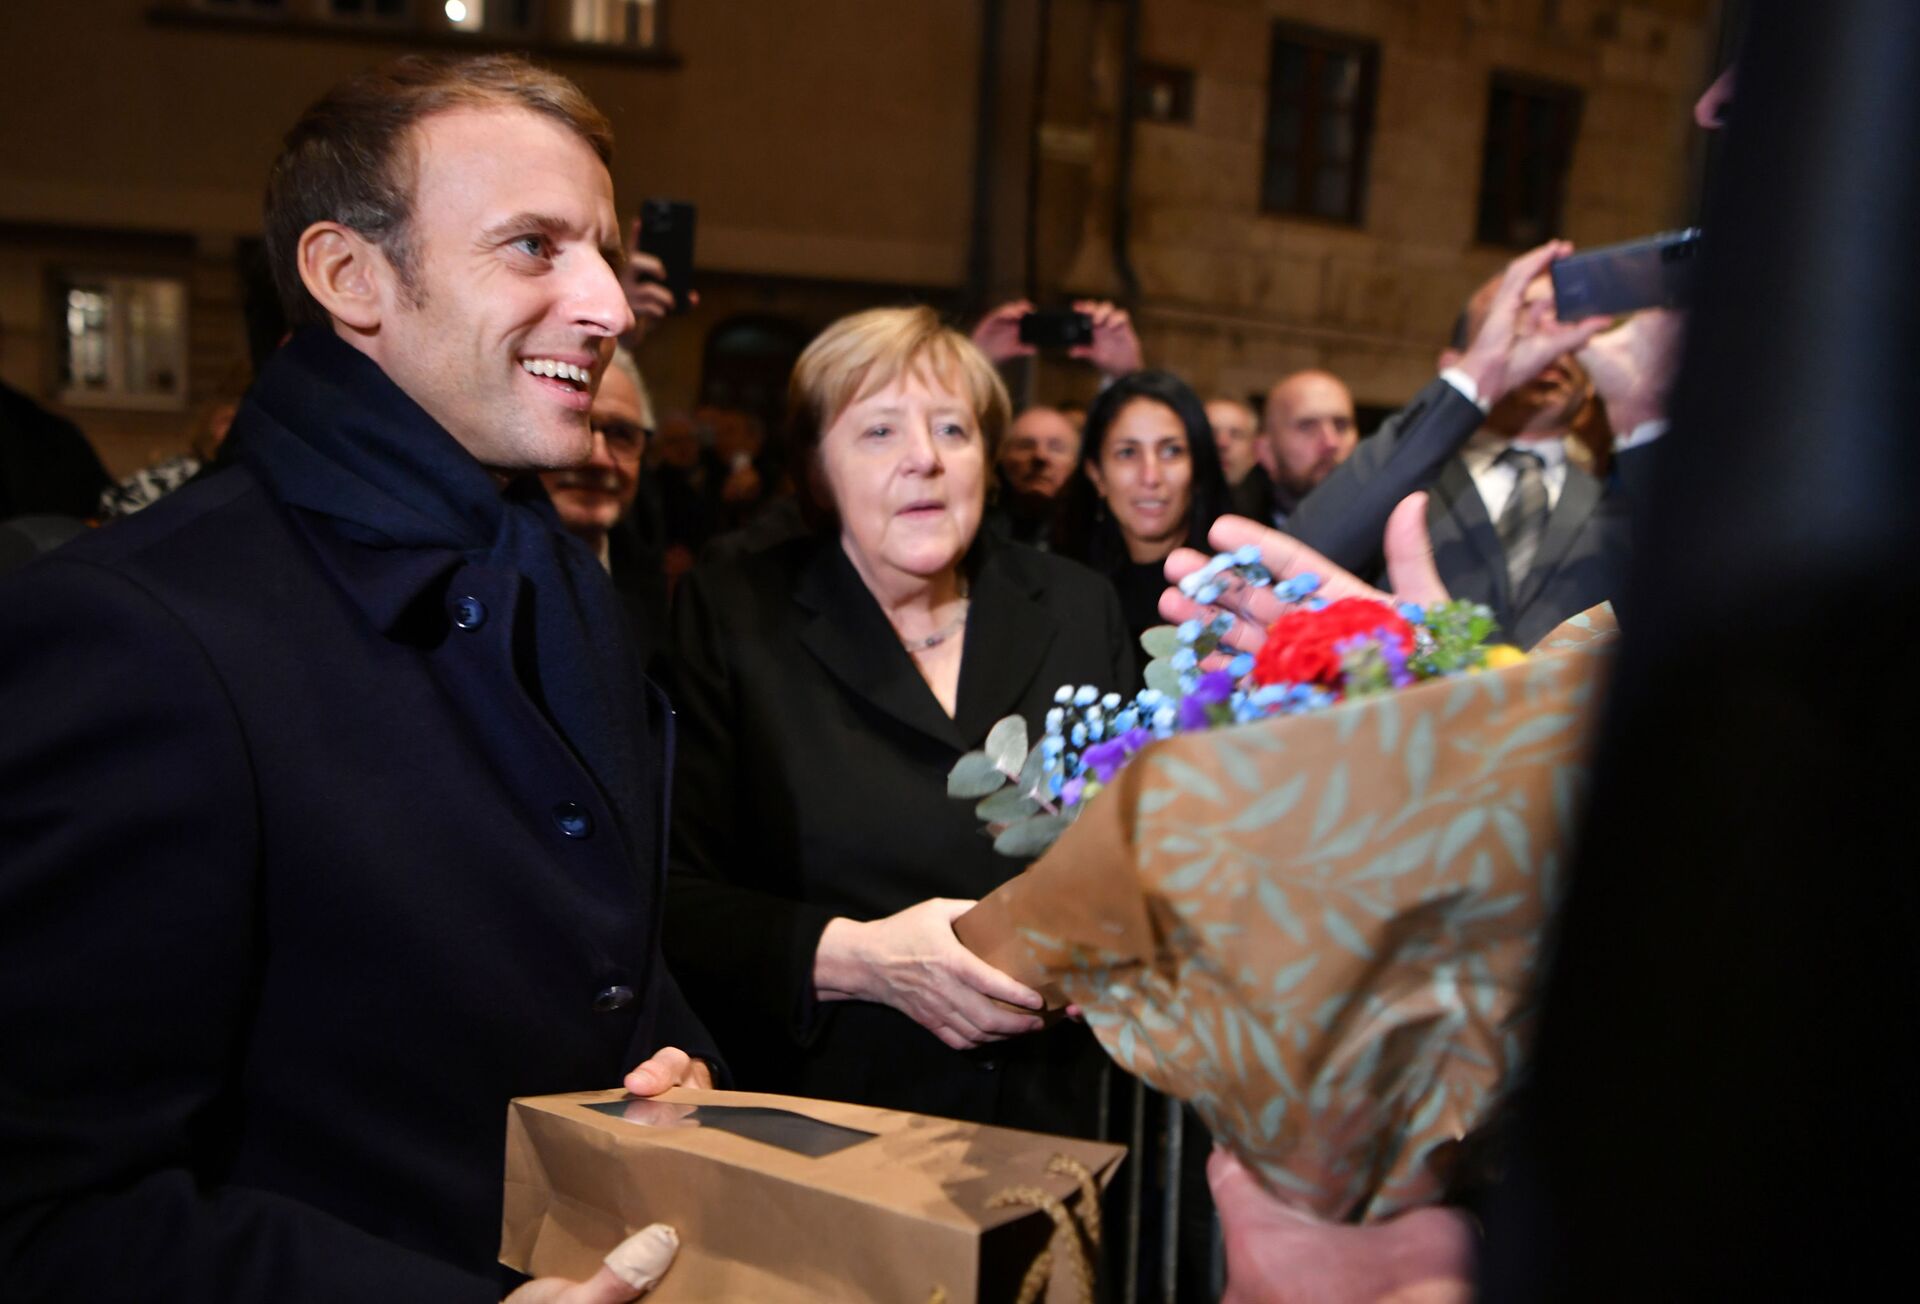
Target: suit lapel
(1467, 511)
(1009, 631)
(1578, 497)
(852, 638)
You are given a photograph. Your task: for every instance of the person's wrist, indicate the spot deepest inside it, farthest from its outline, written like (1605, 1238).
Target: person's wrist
(839, 961)
(1487, 376)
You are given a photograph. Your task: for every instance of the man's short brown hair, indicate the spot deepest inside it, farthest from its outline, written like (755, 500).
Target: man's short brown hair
(349, 159)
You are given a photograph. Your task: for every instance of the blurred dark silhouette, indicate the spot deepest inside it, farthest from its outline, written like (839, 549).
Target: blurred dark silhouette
(1719, 1107)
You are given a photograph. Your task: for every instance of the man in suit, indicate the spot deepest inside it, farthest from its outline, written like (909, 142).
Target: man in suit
(1514, 524)
(1310, 431)
(1236, 433)
(332, 805)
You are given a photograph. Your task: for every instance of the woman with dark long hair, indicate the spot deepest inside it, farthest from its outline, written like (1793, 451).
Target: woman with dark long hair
(1153, 483)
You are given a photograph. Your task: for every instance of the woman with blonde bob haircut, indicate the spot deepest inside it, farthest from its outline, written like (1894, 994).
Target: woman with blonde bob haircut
(827, 685)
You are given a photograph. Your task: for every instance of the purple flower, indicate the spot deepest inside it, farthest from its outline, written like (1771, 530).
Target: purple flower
(1396, 660)
(1071, 790)
(1215, 686)
(1105, 759)
(1193, 713)
(1134, 739)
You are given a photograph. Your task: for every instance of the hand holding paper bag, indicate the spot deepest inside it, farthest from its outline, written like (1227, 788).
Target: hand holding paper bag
(635, 1267)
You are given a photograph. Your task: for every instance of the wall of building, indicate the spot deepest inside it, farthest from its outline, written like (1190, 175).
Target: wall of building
(1232, 298)
(830, 146)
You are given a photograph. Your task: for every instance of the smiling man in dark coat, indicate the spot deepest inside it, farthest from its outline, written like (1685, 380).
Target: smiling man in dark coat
(332, 803)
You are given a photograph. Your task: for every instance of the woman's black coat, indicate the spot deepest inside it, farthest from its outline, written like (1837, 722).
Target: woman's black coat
(812, 784)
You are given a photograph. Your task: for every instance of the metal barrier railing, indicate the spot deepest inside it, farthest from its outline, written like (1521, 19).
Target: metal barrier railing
(1169, 1250)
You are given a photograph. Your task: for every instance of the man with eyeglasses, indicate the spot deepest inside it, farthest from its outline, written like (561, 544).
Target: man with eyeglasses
(595, 502)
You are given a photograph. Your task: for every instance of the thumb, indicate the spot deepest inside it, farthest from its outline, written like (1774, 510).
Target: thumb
(1411, 574)
(635, 1267)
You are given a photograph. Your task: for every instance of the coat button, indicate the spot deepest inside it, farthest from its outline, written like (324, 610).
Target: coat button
(573, 819)
(469, 612)
(613, 998)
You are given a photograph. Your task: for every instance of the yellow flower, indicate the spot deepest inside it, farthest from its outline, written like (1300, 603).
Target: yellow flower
(1502, 655)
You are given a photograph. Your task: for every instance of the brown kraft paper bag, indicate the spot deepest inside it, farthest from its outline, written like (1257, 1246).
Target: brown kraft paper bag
(783, 1200)
(1320, 929)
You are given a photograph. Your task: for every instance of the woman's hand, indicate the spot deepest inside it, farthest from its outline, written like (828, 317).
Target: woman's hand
(1410, 572)
(913, 962)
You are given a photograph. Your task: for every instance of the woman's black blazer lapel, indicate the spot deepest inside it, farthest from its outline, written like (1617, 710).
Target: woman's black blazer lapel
(1009, 631)
(842, 625)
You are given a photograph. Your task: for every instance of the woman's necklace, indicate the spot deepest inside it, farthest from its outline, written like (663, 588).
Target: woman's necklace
(927, 643)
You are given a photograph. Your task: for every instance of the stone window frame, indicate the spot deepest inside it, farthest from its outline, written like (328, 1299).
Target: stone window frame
(1313, 109)
(553, 27)
(1523, 182)
(116, 287)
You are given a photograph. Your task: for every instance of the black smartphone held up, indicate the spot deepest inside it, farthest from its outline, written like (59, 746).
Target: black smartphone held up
(1656, 272)
(1056, 328)
(666, 232)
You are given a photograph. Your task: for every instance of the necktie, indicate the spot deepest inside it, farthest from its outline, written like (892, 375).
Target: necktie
(1524, 520)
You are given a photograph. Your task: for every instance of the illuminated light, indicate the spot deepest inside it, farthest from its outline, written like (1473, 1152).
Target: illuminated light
(456, 11)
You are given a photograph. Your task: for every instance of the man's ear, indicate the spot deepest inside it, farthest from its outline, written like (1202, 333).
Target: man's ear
(1099, 482)
(345, 273)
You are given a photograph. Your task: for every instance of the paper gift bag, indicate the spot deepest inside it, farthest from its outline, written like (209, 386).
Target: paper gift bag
(1319, 929)
(783, 1200)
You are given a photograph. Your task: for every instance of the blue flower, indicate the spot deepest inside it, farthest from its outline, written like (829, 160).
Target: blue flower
(1056, 719)
(1413, 613)
(1221, 623)
(1209, 594)
(1246, 554)
(1184, 659)
(1079, 735)
(1063, 694)
(1163, 721)
(1052, 745)
(1187, 632)
(1086, 696)
(1111, 701)
(1241, 665)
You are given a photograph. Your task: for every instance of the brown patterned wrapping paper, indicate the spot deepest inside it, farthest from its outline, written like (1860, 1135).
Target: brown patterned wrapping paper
(1319, 929)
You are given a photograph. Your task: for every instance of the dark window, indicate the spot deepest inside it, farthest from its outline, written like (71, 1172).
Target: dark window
(380, 11)
(246, 6)
(1320, 90)
(1531, 127)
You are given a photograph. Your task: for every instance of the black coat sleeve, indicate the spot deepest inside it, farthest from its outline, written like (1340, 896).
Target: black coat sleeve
(128, 897)
(737, 947)
(1345, 518)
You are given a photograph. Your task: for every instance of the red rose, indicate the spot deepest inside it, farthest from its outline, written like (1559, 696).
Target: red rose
(1300, 646)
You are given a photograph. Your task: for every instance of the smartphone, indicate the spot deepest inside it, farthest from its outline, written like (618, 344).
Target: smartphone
(1060, 328)
(666, 232)
(1657, 272)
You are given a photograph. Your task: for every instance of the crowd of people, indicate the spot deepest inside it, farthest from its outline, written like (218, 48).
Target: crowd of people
(336, 810)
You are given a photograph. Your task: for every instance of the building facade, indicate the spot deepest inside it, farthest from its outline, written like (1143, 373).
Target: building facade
(1269, 183)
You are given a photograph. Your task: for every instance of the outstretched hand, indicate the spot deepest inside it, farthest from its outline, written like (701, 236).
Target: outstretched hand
(635, 1267)
(1633, 365)
(1521, 335)
(644, 280)
(1410, 572)
(1115, 350)
(998, 333)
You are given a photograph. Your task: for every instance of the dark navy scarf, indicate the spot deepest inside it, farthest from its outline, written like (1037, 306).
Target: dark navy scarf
(326, 430)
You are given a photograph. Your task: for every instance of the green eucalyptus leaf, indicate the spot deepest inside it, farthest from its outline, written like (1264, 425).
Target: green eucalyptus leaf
(1032, 836)
(974, 775)
(1162, 676)
(1006, 806)
(1034, 771)
(1007, 745)
(1161, 641)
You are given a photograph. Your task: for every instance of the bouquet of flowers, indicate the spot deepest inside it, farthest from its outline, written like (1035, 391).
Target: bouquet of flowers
(1300, 882)
(1319, 653)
